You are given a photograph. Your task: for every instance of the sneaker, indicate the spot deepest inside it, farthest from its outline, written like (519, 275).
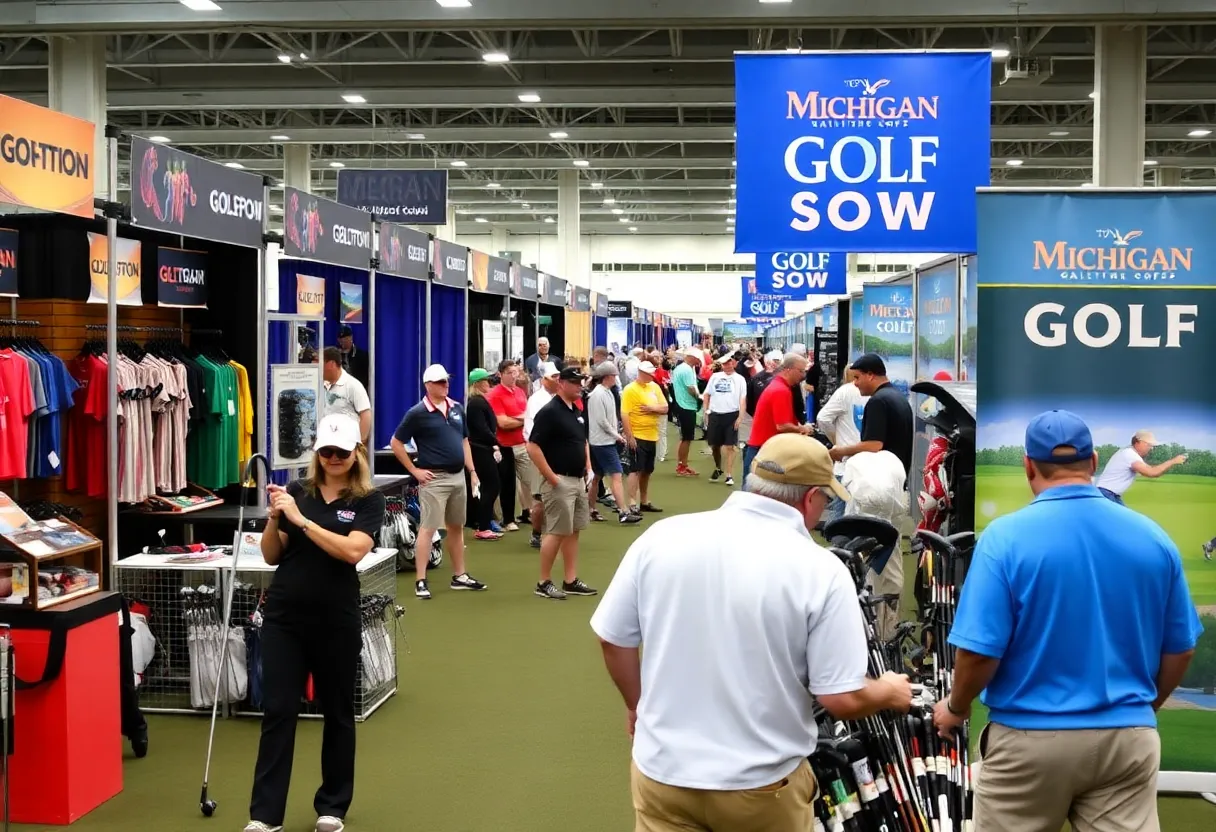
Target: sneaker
(422, 590)
(650, 508)
(596, 516)
(730, 482)
(329, 823)
(716, 475)
(535, 541)
(1207, 550)
(662, 459)
(548, 590)
(685, 471)
(495, 527)
(468, 582)
(577, 587)
(258, 826)
(525, 518)
(628, 519)
(510, 527)
(487, 535)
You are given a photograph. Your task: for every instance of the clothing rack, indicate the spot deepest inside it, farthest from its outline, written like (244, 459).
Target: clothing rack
(162, 330)
(17, 323)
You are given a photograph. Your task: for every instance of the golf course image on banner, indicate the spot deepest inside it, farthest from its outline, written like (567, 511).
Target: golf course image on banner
(1098, 303)
(971, 319)
(937, 322)
(888, 329)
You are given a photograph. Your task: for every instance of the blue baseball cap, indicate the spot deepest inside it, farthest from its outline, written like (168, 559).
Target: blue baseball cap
(1056, 429)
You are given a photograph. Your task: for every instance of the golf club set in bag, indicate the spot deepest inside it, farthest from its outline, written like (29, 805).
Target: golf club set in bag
(402, 516)
(891, 772)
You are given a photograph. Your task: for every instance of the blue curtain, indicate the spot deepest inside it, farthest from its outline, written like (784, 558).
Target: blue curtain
(448, 337)
(333, 275)
(400, 320)
(599, 331)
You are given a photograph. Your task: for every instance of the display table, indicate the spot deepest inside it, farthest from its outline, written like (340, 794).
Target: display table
(68, 721)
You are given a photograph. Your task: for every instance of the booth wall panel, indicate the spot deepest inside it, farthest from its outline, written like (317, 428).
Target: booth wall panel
(449, 342)
(578, 335)
(400, 321)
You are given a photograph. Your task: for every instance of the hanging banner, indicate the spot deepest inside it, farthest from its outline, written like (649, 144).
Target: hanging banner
(1100, 304)
(451, 264)
(618, 335)
(404, 252)
(350, 298)
(937, 322)
(582, 299)
(419, 197)
(889, 328)
(525, 283)
(857, 325)
(183, 194)
(861, 151)
(555, 291)
(181, 278)
(830, 313)
(130, 269)
(490, 274)
(46, 159)
(757, 306)
(620, 309)
(684, 332)
(601, 304)
(798, 275)
(738, 330)
(310, 296)
(971, 313)
(325, 231)
(8, 263)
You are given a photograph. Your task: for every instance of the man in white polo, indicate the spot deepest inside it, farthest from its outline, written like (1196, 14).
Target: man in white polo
(735, 607)
(345, 394)
(1121, 470)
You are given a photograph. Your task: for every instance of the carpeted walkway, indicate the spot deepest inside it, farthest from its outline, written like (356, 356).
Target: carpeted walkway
(505, 720)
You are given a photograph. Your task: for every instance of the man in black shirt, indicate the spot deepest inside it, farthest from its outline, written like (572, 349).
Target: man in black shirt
(887, 422)
(558, 447)
(354, 360)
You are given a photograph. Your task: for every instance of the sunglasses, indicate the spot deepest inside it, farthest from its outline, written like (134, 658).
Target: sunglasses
(330, 453)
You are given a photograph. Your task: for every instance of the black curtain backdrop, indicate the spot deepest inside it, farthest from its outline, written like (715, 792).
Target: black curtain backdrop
(482, 307)
(525, 316)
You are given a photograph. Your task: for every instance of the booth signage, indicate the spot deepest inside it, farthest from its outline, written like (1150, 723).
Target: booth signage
(715, 326)
(829, 317)
(46, 159)
(404, 252)
(183, 194)
(419, 197)
(582, 299)
(181, 278)
(861, 151)
(525, 283)
(130, 268)
(857, 324)
(620, 309)
(451, 265)
(350, 299)
(971, 318)
(797, 275)
(8, 263)
(889, 328)
(325, 231)
(1101, 303)
(490, 274)
(937, 322)
(599, 304)
(310, 296)
(639, 315)
(555, 291)
(736, 330)
(757, 306)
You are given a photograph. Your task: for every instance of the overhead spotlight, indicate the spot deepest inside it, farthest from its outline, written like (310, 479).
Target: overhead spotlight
(416, 137)
(633, 229)
(201, 5)
(730, 220)
(525, 205)
(496, 57)
(303, 56)
(1000, 52)
(1058, 133)
(1199, 133)
(558, 134)
(550, 220)
(480, 219)
(1150, 162)
(493, 185)
(618, 210)
(279, 137)
(609, 200)
(158, 139)
(454, 4)
(597, 185)
(1093, 94)
(732, 186)
(353, 98)
(733, 163)
(581, 163)
(236, 165)
(529, 97)
(624, 219)
(285, 59)
(337, 165)
(1014, 163)
(459, 163)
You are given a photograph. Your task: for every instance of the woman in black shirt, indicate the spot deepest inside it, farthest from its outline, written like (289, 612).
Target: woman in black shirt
(319, 528)
(483, 441)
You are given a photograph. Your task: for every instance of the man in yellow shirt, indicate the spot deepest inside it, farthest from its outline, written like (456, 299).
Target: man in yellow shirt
(643, 408)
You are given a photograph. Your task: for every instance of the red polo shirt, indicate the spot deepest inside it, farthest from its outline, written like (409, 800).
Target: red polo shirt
(508, 400)
(775, 407)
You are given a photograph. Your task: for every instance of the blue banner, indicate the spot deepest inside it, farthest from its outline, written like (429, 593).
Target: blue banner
(861, 151)
(416, 197)
(937, 322)
(797, 275)
(888, 330)
(758, 306)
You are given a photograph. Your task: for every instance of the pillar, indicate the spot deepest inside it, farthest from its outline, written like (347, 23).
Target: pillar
(1119, 84)
(569, 226)
(76, 85)
(297, 167)
(1168, 177)
(498, 240)
(447, 231)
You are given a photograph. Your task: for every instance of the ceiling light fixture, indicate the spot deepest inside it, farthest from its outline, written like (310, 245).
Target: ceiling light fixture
(279, 137)
(454, 4)
(1014, 163)
(1058, 133)
(285, 58)
(1093, 94)
(459, 163)
(337, 165)
(416, 137)
(550, 220)
(236, 165)
(158, 139)
(581, 163)
(201, 5)
(496, 57)
(597, 185)
(480, 219)
(618, 210)
(303, 56)
(624, 219)
(1088, 185)
(493, 185)
(732, 186)
(1150, 162)
(1000, 52)
(525, 205)
(354, 98)
(774, 2)
(529, 97)
(558, 134)
(609, 200)
(1199, 133)
(633, 229)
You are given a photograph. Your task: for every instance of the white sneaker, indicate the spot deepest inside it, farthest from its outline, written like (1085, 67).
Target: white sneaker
(328, 823)
(258, 826)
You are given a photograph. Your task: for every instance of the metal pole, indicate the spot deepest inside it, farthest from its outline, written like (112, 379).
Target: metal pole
(467, 362)
(112, 134)
(427, 321)
(369, 317)
(263, 369)
(960, 314)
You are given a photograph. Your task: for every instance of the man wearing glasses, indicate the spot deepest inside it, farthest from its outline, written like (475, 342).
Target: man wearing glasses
(436, 425)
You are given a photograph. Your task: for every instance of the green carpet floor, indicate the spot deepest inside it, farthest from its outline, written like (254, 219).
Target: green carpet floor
(505, 720)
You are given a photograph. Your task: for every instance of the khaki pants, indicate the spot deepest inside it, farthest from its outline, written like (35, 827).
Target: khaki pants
(1099, 780)
(565, 505)
(442, 501)
(525, 471)
(784, 806)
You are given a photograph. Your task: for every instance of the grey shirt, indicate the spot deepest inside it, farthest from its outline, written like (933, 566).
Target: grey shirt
(602, 417)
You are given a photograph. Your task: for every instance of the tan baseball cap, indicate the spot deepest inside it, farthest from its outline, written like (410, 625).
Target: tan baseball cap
(1146, 436)
(794, 459)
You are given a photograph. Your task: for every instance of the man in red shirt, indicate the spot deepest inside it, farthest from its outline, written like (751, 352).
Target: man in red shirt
(509, 401)
(775, 409)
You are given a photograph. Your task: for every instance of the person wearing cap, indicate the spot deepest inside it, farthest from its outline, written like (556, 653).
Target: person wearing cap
(345, 394)
(1076, 623)
(483, 443)
(317, 530)
(687, 398)
(719, 630)
(725, 398)
(557, 443)
(643, 407)
(604, 435)
(630, 371)
(532, 364)
(886, 423)
(776, 409)
(1121, 469)
(354, 360)
(755, 386)
(437, 426)
(545, 391)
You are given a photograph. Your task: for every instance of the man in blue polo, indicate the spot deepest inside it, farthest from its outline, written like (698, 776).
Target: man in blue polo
(1076, 622)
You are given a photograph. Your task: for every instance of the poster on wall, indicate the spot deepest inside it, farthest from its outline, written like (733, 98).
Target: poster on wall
(129, 261)
(800, 275)
(310, 296)
(618, 335)
(861, 151)
(971, 312)
(451, 264)
(8, 263)
(581, 299)
(491, 344)
(937, 322)
(1100, 304)
(294, 393)
(315, 228)
(889, 328)
(419, 197)
(181, 278)
(47, 159)
(525, 283)
(517, 343)
(830, 313)
(350, 298)
(182, 194)
(757, 306)
(404, 252)
(827, 356)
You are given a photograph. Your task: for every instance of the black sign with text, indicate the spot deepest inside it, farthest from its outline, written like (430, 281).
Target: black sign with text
(320, 229)
(404, 252)
(181, 278)
(620, 309)
(451, 265)
(525, 283)
(601, 306)
(8, 263)
(582, 299)
(555, 291)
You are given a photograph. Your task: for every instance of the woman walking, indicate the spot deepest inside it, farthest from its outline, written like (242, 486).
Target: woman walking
(318, 529)
(483, 441)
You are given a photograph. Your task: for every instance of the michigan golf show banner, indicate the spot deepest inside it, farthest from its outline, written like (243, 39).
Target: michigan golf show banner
(887, 330)
(1102, 303)
(937, 322)
(861, 151)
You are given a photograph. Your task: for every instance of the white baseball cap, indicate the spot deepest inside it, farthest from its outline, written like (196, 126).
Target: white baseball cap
(435, 372)
(647, 368)
(696, 354)
(548, 369)
(773, 355)
(798, 349)
(337, 430)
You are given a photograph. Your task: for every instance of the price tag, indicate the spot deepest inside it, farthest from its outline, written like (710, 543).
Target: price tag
(231, 408)
(53, 458)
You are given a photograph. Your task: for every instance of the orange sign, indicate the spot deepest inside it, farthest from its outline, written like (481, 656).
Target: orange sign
(129, 262)
(481, 270)
(46, 159)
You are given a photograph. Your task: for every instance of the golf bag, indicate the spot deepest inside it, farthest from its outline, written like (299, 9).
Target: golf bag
(402, 517)
(947, 495)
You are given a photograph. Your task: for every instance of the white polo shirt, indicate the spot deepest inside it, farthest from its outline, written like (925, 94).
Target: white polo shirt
(726, 391)
(841, 417)
(741, 614)
(535, 402)
(347, 396)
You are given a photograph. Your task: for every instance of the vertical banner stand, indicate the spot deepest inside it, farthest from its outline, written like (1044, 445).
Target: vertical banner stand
(111, 212)
(263, 357)
(369, 316)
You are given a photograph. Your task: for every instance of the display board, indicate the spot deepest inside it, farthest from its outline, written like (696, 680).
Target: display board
(181, 278)
(451, 264)
(128, 261)
(756, 306)
(937, 321)
(49, 159)
(404, 252)
(827, 354)
(525, 283)
(295, 409)
(1098, 303)
(887, 329)
(320, 229)
(857, 322)
(419, 197)
(491, 345)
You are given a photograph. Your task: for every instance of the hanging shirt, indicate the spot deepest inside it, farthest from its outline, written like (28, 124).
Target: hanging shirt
(16, 407)
(86, 434)
(244, 412)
